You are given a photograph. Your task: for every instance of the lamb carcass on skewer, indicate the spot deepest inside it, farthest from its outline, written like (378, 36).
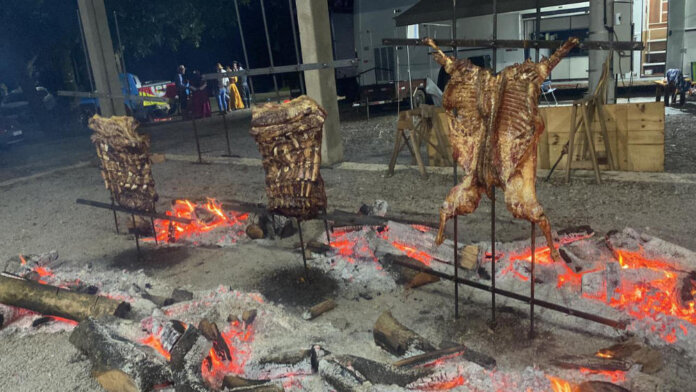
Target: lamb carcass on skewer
(495, 126)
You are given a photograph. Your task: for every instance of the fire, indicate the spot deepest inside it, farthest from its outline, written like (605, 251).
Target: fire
(351, 248)
(423, 257)
(155, 343)
(205, 217)
(615, 376)
(559, 384)
(238, 339)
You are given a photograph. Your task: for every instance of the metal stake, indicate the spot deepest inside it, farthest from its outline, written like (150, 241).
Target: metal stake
(268, 45)
(137, 239)
(304, 257)
(246, 58)
(531, 303)
(326, 227)
(300, 75)
(152, 221)
(456, 247)
(198, 144)
(114, 211)
(227, 134)
(493, 257)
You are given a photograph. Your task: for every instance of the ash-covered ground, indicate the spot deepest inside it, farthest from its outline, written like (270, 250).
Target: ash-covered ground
(40, 214)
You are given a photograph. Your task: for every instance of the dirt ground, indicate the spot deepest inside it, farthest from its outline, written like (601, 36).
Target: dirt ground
(40, 214)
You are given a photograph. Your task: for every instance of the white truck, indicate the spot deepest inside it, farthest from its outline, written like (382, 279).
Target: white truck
(383, 71)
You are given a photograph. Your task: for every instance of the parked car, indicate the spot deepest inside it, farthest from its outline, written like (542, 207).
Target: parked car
(143, 111)
(10, 132)
(15, 105)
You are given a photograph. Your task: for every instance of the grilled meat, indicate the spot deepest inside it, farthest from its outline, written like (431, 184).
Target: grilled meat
(494, 129)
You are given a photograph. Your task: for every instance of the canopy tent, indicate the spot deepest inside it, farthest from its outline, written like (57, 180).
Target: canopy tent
(426, 11)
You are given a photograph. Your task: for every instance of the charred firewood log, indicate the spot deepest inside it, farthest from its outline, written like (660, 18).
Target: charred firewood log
(289, 139)
(125, 161)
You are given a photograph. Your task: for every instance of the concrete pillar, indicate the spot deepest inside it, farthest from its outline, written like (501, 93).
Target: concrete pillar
(599, 33)
(676, 16)
(101, 55)
(315, 40)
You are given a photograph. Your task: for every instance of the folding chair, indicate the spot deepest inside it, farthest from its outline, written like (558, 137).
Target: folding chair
(546, 89)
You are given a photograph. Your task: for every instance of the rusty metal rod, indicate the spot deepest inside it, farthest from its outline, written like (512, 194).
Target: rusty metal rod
(493, 256)
(514, 43)
(417, 266)
(531, 294)
(108, 206)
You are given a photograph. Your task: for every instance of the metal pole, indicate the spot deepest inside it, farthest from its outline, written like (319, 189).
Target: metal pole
(137, 239)
(493, 256)
(304, 256)
(454, 26)
(114, 211)
(246, 58)
(268, 45)
(326, 227)
(408, 69)
(531, 302)
(88, 65)
(300, 75)
(537, 28)
(397, 83)
(198, 144)
(417, 266)
(120, 45)
(227, 134)
(494, 58)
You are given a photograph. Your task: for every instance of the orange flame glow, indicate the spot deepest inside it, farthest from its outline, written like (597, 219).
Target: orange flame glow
(238, 339)
(559, 384)
(205, 217)
(155, 343)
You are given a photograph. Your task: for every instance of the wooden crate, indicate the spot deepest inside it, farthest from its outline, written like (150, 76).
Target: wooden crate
(636, 136)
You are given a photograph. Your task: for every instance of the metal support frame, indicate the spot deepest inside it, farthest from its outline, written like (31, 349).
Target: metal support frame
(493, 258)
(244, 50)
(302, 246)
(227, 135)
(533, 277)
(198, 143)
(297, 47)
(88, 65)
(514, 43)
(417, 266)
(268, 45)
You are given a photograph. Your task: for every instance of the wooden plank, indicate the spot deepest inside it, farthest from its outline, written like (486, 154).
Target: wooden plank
(647, 158)
(641, 137)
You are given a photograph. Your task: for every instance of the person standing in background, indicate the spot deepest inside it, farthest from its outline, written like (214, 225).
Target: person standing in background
(243, 81)
(235, 98)
(200, 104)
(182, 88)
(223, 85)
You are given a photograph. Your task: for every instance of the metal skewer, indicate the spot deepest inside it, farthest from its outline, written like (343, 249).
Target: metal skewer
(531, 303)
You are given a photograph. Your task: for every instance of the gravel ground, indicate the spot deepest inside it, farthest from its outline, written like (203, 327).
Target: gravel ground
(41, 214)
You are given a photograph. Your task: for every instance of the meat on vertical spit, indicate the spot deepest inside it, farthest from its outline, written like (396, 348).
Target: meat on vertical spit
(494, 127)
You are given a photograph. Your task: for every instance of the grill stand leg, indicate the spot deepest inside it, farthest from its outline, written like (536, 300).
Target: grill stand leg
(493, 321)
(304, 256)
(531, 303)
(227, 134)
(152, 222)
(198, 143)
(115, 217)
(326, 227)
(137, 237)
(456, 247)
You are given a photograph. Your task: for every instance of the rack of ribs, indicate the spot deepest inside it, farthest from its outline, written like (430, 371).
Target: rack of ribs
(494, 127)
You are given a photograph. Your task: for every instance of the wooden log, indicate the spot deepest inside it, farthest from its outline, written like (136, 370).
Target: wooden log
(248, 316)
(182, 347)
(138, 365)
(394, 337)
(268, 387)
(232, 381)
(421, 279)
(465, 352)
(599, 386)
(651, 360)
(381, 373)
(468, 257)
(591, 363)
(115, 381)
(212, 333)
(55, 301)
(340, 377)
(319, 309)
(189, 378)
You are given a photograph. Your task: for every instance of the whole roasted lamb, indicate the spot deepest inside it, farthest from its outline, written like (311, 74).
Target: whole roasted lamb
(494, 127)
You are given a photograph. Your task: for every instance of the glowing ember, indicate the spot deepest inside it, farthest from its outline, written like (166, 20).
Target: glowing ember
(155, 343)
(443, 385)
(352, 247)
(238, 338)
(423, 257)
(205, 217)
(559, 384)
(613, 376)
